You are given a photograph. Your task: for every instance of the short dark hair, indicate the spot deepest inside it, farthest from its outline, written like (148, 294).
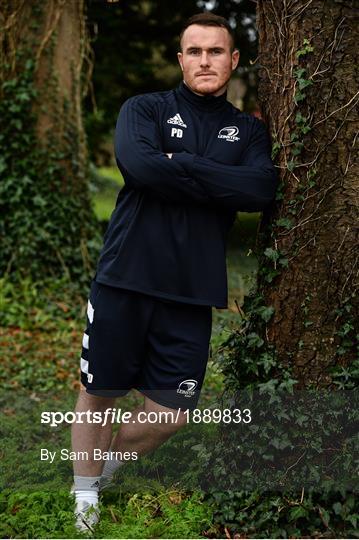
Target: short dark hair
(208, 19)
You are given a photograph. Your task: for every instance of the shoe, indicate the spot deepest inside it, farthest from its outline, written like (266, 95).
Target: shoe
(87, 516)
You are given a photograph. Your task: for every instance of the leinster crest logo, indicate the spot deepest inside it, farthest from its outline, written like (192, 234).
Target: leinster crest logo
(187, 387)
(229, 133)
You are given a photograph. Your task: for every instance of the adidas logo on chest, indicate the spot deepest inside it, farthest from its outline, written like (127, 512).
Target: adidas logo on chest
(177, 121)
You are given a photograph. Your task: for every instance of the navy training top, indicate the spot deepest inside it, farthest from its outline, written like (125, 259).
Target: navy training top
(167, 234)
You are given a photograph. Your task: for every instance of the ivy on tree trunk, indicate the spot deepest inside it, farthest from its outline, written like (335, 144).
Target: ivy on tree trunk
(47, 228)
(307, 51)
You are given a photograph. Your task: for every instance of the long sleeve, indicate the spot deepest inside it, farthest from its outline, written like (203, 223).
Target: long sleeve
(168, 233)
(248, 187)
(189, 178)
(143, 165)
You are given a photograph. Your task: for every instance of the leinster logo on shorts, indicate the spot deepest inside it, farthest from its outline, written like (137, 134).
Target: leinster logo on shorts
(229, 133)
(187, 387)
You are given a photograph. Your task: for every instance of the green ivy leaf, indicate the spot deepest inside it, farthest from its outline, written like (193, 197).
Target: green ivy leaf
(325, 515)
(337, 507)
(303, 83)
(297, 512)
(39, 201)
(299, 72)
(297, 149)
(305, 129)
(275, 149)
(271, 253)
(300, 119)
(353, 520)
(254, 340)
(2, 165)
(270, 275)
(266, 312)
(287, 223)
(299, 96)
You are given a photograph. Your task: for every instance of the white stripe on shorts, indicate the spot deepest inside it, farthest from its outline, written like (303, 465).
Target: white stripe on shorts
(90, 311)
(84, 366)
(85, 341)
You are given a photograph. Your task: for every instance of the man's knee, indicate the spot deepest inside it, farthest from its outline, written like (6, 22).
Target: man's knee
(164, 420)
(181, 420)
(165, 430)
(174, 421)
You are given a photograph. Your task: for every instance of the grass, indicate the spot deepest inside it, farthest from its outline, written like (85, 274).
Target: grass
(41, 341)
(107, 182)
(111, 173)
(49, 514)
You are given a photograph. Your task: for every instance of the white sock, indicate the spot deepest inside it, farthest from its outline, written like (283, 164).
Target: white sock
(110, 467)
(90, 497)
(86, 488)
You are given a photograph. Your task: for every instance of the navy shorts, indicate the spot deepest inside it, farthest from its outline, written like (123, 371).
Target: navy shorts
(133, 340)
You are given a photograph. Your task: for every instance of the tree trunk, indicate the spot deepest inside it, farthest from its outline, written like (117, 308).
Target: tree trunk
(307, 54)
(43, 47)
(59, 73)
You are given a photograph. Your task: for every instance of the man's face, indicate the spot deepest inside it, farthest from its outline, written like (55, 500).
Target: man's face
(206, 59)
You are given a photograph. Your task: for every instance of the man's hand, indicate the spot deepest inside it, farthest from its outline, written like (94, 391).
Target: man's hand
(169, 155)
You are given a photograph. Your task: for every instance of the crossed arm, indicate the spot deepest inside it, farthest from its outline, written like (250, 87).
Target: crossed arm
(189, 178)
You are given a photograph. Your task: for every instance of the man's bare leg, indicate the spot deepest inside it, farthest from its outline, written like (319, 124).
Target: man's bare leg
(142, 436)
(139, 436)
(87, 436)
(87, 472)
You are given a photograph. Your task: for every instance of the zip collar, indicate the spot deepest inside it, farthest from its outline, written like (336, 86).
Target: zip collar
(205, 103)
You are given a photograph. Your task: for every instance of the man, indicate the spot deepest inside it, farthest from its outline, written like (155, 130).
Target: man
(189, 160)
